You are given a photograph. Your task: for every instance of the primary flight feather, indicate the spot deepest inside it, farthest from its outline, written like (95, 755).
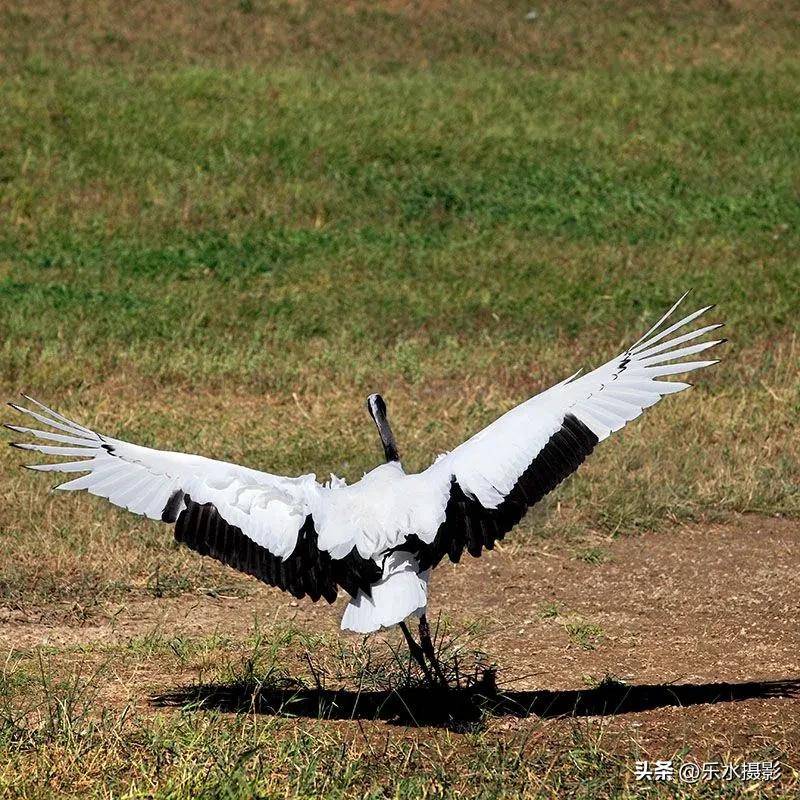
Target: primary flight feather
(379, 538)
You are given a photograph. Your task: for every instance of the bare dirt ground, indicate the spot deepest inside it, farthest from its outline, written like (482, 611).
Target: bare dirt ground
(672, 615)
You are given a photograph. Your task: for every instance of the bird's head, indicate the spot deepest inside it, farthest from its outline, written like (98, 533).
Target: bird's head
(376, 407)
(377, 410)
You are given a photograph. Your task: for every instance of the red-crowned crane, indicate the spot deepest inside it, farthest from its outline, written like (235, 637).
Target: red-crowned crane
(379, 538)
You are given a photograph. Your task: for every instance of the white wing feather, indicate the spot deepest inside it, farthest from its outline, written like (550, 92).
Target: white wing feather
(387, 505)
(489, 464)
(270, 509)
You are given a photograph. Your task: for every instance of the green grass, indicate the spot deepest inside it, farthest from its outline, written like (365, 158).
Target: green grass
(221, 226)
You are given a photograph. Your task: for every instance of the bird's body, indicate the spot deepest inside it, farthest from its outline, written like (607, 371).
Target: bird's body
(377, 539)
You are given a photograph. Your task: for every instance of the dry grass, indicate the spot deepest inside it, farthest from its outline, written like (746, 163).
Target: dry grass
(724, 459)
(569, 35)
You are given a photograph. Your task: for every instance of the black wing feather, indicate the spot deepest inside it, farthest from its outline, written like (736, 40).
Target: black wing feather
(468, 525)
(307, 571)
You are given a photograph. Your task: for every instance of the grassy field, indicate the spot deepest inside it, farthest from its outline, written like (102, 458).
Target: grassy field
(223, 225)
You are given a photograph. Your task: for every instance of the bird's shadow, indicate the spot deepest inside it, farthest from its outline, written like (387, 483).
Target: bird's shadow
(462, 707)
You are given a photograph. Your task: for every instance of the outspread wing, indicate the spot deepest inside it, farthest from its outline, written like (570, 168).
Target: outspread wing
(499, 473)
(253, 521)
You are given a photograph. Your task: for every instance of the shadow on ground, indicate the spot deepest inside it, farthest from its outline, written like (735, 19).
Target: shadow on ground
(463, 707)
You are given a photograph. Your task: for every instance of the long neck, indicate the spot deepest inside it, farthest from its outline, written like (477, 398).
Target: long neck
(387, 438)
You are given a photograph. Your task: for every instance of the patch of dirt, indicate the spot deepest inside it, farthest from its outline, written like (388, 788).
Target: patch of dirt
(698, 605)
(691, 606)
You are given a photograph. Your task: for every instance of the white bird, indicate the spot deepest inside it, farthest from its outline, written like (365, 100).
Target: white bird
(379, 538)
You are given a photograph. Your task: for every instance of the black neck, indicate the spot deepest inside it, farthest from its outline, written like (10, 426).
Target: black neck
(377, 410)
(387, 439)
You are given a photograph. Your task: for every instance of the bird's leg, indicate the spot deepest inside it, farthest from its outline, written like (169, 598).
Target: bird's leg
(416, 652)
(428, 649)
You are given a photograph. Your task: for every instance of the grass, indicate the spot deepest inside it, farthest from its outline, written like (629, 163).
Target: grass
(57, 743)
(221, 226)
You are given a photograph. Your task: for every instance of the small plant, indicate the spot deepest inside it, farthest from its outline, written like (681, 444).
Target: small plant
(586, 635)
(593, 555)
(549, 611)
